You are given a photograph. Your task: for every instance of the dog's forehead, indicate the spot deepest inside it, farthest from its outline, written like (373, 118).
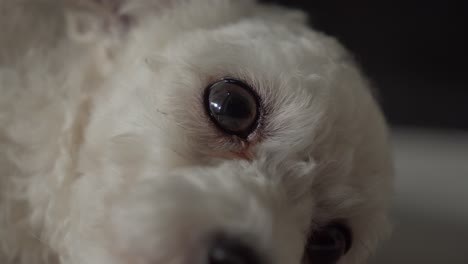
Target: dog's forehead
(263, 49)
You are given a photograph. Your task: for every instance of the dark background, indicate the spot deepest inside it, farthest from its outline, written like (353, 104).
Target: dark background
(415, 52)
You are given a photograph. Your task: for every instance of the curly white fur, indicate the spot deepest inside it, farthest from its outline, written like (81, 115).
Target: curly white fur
(107, 155)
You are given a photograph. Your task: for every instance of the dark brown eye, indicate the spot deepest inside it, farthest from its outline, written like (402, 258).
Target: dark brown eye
(232, 106)
(328, 244)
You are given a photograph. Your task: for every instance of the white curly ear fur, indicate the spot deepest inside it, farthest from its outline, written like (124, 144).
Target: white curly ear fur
(89, 20)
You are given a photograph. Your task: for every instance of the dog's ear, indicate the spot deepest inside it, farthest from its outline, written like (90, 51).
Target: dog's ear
(90, 20)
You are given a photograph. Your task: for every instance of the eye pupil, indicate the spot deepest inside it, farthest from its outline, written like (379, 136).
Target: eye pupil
(235, 106)
(232, 106)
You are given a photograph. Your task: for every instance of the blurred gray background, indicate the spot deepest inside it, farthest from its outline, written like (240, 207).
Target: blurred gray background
(416, 54)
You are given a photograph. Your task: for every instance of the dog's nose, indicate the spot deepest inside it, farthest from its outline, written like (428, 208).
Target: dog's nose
(225, 250)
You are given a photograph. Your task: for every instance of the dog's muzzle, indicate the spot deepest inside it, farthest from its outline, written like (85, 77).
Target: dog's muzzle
(230, 214)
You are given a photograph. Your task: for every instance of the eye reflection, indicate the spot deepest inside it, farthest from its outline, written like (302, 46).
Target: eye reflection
(216, 106)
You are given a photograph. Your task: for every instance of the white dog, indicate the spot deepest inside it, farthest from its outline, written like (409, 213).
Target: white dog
(184, 132)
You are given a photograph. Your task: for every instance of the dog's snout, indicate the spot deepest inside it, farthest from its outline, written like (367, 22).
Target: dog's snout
(226, 250)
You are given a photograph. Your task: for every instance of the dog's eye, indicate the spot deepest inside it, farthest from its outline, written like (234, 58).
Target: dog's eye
(328, 244)
(233, 107)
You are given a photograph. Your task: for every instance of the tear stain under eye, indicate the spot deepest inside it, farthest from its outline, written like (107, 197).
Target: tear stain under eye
(244, 154)
(246, 146)
(234, 148)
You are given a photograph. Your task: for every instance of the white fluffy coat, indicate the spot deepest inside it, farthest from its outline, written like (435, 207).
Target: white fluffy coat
(107, 155)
